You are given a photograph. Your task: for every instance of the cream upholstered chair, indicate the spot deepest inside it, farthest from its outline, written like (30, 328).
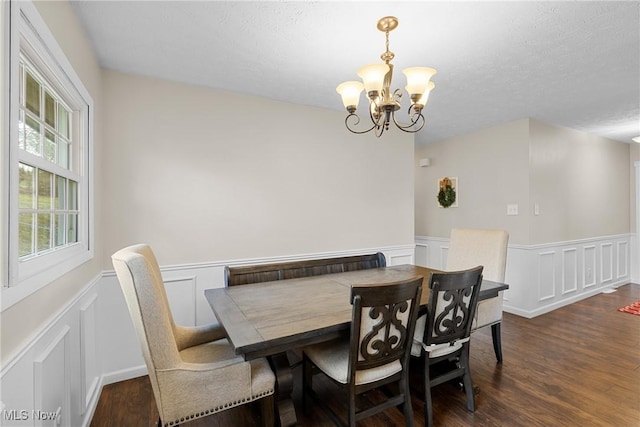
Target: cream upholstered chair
(470, 247)
(377, 351)
(194, 371)
(444, 338)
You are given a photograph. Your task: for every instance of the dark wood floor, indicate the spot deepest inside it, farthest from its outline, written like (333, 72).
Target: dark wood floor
(576, 366)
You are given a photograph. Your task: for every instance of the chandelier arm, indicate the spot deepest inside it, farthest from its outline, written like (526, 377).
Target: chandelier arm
(346, 123)
(380, 120)
(411, 125)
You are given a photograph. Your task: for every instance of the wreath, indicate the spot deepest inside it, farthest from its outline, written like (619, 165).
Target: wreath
(447, 194)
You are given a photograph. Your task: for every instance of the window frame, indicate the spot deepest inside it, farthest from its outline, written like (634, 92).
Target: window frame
(29, 35)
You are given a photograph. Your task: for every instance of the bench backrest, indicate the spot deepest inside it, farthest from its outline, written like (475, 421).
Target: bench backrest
(294, 269)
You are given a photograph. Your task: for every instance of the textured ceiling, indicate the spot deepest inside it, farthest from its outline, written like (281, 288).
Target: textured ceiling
(573, 64)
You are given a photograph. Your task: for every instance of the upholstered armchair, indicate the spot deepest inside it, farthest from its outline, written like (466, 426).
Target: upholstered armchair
(471, 247)
(194, 371)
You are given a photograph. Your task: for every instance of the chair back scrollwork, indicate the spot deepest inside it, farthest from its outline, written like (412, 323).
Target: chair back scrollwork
(452, 304)
(383, 322)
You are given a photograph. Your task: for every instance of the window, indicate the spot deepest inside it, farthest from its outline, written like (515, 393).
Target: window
(49, 144)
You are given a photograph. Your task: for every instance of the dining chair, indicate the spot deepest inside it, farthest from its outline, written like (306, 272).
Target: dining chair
(444, 342)
(194, 371)
(470, 247)
(375, 353)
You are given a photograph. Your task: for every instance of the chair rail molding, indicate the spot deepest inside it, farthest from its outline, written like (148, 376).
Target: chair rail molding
(544, 277)
(91, 342)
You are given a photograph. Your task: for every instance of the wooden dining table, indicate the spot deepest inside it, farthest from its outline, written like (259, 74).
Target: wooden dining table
(267, 319)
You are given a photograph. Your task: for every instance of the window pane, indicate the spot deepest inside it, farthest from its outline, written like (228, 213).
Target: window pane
(21, 130)
(33, 95)
(21, 85)
(63, 121)
(25, 234)
(63, 154)
(45, 180)
(32, 134)
(49, 146)
(49, 110)
(61, 184)
(44, 232)
(73, 196)
(72, 227)
(26, 194)
(59, 230)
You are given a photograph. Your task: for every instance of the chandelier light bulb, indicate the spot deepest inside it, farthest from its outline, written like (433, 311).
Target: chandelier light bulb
(350, 92)
(372, 76)
(418, 79)
(425, 96)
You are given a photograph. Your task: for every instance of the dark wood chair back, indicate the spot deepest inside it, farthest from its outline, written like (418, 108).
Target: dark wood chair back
(382, 325)
(452, 304)
(295, 269)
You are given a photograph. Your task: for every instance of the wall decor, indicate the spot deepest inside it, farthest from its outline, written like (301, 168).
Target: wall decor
(448, 192)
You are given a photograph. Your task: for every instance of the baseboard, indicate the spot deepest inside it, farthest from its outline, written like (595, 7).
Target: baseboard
(548, 308)
(124, 374)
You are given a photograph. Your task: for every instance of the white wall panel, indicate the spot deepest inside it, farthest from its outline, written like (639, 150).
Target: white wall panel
(623, 260)
(89, 358)
(542, 278)
(569, 270)
(52, 383)
(606, 262)
(422, 254)
(546, 276)
(589, 272)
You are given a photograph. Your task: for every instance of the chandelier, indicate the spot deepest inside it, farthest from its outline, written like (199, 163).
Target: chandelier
(376, 80)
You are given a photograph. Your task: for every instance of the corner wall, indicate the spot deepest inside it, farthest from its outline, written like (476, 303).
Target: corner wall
(580, 182)
(491, 166)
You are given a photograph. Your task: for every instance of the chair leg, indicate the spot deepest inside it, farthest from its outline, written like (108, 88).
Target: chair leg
(352, 408)
(468, 383)
(267, 410)
(428, 409)
(307, 380)
(407, 408)
(497, 340)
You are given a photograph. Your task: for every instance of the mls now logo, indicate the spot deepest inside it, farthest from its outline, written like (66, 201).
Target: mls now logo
(23, 415)
(15, 414)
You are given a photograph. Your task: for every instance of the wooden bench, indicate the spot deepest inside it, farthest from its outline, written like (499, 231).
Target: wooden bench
(295, 269)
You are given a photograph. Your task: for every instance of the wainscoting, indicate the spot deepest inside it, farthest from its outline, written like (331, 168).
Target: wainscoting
(58, 375)
(544, 277)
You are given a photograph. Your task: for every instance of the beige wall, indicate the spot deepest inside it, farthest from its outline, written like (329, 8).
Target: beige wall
(490, 165)
(20, 321)
(206, 175)
(3, 134)
(580, 182)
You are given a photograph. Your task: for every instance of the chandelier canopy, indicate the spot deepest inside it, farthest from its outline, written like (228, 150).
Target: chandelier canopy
(376, 80)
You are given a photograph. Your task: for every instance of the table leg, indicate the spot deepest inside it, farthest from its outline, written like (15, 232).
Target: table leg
(284, 389)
